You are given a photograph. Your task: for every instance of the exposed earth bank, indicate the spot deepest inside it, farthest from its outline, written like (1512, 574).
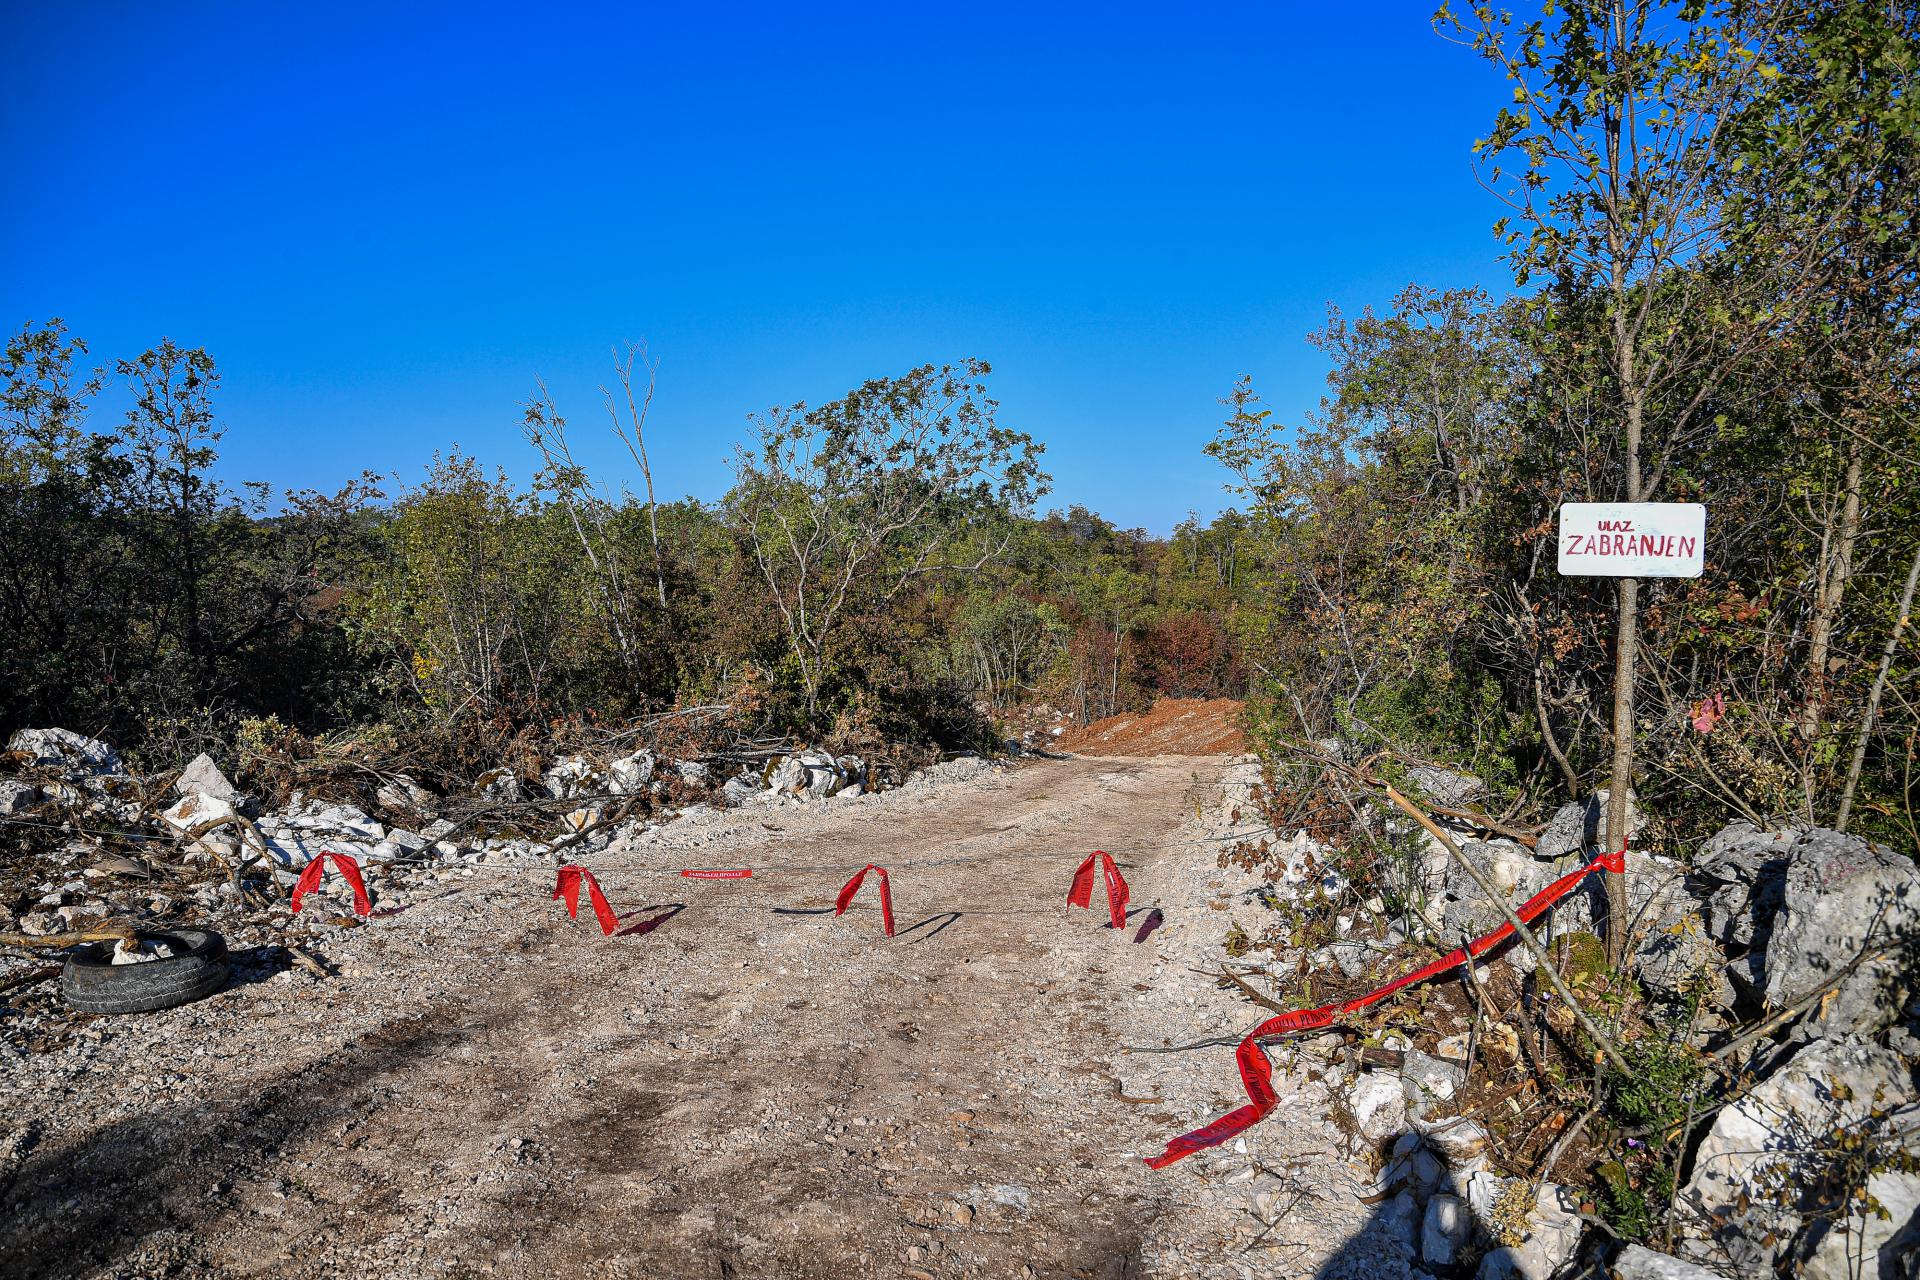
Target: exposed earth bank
(1174, 726)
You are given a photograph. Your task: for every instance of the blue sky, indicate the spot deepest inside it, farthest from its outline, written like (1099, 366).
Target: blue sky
(383, 222)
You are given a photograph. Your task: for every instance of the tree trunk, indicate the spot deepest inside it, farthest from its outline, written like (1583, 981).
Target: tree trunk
(1829, 592)
(1553, 743)
(1625, 652)
(1873, 698)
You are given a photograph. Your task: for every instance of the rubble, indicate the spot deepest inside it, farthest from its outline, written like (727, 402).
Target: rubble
(404, 793)
(73, 754)
(1755, 919)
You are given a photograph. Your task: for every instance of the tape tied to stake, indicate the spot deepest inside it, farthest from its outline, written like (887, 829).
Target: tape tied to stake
(1081, 893)
(740, 873)
(310, 880)
(568, 889)
(852, 887)
(1256, 1070)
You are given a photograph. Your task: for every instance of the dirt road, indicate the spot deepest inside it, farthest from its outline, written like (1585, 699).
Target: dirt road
(738, 1085)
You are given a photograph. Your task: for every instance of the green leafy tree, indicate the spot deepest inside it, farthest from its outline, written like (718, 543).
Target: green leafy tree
(844, 507)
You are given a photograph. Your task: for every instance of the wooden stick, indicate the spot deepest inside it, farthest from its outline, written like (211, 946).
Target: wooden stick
(306, 961)
(48, 941)
(1520, 930)
(1263, 1001)
(30, 977)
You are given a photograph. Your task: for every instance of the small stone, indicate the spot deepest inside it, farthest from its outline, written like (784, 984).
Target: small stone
(40, 923)
(17, 797)
(1445, 1231)
(1458, 1140)
(1427, 1078)
(203, 778)
(404, 793)
(629, 775)
(196, 810)
(1379, 1106)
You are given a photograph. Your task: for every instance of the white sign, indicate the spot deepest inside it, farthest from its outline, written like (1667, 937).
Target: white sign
(1632, 539)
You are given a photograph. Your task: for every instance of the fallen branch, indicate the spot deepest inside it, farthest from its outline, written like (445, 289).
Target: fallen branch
(1521, 932)
(1531, 839)
(53, 941)
(30, 977)
(1263, 1001)
(306, 961)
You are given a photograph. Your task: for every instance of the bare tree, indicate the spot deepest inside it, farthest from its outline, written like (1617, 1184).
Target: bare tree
(589, 515)
(633, 433)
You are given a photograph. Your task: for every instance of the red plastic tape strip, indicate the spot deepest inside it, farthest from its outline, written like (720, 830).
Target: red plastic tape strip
(568, 889)
(852, 887)
(1256, 1072)
(740, 874)
(1080, 894)
(310, 880)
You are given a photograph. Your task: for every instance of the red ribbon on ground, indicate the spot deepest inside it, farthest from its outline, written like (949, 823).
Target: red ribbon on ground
(310, 880)
(729, 874)
(568, 889)
(1256, 1071)
(1081, 894)
(852, 887)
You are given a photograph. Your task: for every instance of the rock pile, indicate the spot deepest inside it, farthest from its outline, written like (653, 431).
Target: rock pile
(1813, 1167)
(199, 821)
(814, 774)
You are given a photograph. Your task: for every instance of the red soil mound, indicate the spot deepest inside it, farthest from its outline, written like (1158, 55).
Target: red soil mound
(1175, 727)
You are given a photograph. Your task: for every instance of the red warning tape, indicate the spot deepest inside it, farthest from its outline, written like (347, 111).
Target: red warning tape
(568, 889)
(1256, 1071)
(310, 880)
(730, 874)
(1081, 894)
(852, 887)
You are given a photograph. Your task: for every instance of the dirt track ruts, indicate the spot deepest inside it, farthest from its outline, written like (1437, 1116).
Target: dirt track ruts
(746, 1087)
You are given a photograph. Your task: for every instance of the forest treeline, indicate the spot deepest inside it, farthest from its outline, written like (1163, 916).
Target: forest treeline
(875, 574)
(1711, 223)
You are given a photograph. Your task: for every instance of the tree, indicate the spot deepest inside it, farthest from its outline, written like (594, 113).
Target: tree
(476, 595)
(842, 507)
(1619, 123)
(170, 438)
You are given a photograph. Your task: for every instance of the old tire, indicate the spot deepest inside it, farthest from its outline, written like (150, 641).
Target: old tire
(92, 983)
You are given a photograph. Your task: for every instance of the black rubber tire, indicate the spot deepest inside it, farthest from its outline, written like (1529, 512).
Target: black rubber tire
(92, 983)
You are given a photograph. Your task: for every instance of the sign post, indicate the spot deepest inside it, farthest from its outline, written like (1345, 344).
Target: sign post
(1628, 541)
(1632, 539)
